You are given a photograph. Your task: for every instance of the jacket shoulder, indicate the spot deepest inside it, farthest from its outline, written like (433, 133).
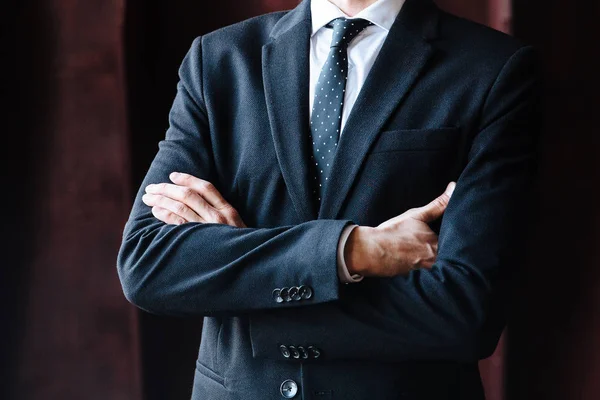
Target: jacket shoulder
(248, 33)
(477, 41)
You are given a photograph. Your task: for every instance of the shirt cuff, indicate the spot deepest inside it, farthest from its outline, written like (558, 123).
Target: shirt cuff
(343, 273)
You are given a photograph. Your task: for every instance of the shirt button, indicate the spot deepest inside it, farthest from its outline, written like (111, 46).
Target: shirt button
(277, 296)
(289, 389)
(284, 351)
(305, 291)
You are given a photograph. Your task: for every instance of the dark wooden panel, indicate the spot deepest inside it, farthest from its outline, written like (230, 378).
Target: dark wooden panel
(74, 335)
(555, 352)
(471, 9)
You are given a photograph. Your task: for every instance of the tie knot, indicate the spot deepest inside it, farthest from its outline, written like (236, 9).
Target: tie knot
(345, 30)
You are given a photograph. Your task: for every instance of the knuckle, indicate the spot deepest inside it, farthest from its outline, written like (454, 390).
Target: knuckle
(220, 219)
(180, 208)
(443, 200)
(437, 204)
(206, 186)
(160, 200)
(230, 212)
(187, 193)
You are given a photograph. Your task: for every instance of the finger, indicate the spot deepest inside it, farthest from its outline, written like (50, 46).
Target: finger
(167, 216)
(211, 195)
(429, 252)
(190, 198)
(432, 240)
(171, 205)
(205, 188)
(436, 208)
(434, 247)
(233, 217)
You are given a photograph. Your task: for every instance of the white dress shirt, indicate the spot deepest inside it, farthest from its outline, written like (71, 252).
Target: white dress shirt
(362, 52)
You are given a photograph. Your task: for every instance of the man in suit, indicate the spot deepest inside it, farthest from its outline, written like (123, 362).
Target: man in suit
(285, 204)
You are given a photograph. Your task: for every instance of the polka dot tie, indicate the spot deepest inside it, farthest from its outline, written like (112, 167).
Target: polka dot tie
(326, 115)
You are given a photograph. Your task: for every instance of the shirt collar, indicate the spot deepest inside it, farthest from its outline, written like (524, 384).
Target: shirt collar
(382, 13)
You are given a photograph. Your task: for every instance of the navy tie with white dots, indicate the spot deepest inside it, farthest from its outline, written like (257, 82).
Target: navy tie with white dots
(326, 118)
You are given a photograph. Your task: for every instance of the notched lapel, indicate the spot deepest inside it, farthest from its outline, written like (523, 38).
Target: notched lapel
(286, 72)
(402, 58)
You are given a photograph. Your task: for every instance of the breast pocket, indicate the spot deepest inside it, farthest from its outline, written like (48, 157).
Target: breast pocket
(416, 140)
(405, 169)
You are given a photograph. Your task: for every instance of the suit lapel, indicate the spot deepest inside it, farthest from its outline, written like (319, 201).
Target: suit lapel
(402, 58)
(285, 63)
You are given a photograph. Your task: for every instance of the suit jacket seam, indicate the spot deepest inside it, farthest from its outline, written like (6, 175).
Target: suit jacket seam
(492, 87)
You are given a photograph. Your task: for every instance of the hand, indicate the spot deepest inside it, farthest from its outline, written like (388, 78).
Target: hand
(398, 245)
(190, 199)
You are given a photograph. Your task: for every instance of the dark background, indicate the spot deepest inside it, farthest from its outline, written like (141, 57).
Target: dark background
(86, 87)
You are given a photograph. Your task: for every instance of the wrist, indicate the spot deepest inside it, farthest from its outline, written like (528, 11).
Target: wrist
(358, 251)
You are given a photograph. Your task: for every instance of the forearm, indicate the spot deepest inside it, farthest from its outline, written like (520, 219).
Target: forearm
(198, 269)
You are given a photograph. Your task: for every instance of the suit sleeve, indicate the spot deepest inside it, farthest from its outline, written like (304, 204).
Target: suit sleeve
(455, 310)
(201, 269)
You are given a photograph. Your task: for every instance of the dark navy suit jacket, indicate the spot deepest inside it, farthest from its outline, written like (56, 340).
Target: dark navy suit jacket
(447, 99)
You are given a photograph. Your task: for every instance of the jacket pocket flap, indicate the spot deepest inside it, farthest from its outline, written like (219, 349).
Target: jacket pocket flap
(415, 139)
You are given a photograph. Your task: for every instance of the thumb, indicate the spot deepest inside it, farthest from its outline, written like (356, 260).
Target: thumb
(436, 208)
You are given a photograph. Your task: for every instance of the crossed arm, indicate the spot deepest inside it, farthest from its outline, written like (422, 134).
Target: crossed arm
(395, 247)
(449, 307)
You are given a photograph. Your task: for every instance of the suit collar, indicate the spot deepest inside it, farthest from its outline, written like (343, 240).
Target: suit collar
(403, 57)
(382, 13)
(299, 15)
(420, 17)
(285, 61)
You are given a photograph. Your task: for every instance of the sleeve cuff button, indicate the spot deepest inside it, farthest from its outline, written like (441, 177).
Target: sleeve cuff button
(277, 296)
(305, 292)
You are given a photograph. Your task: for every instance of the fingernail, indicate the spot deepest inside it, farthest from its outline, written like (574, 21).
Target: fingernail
(450, 188)
(174, 175)
(150, 188)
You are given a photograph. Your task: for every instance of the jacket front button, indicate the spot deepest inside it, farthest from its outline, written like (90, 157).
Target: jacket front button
(289, 389)
(284, 351)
